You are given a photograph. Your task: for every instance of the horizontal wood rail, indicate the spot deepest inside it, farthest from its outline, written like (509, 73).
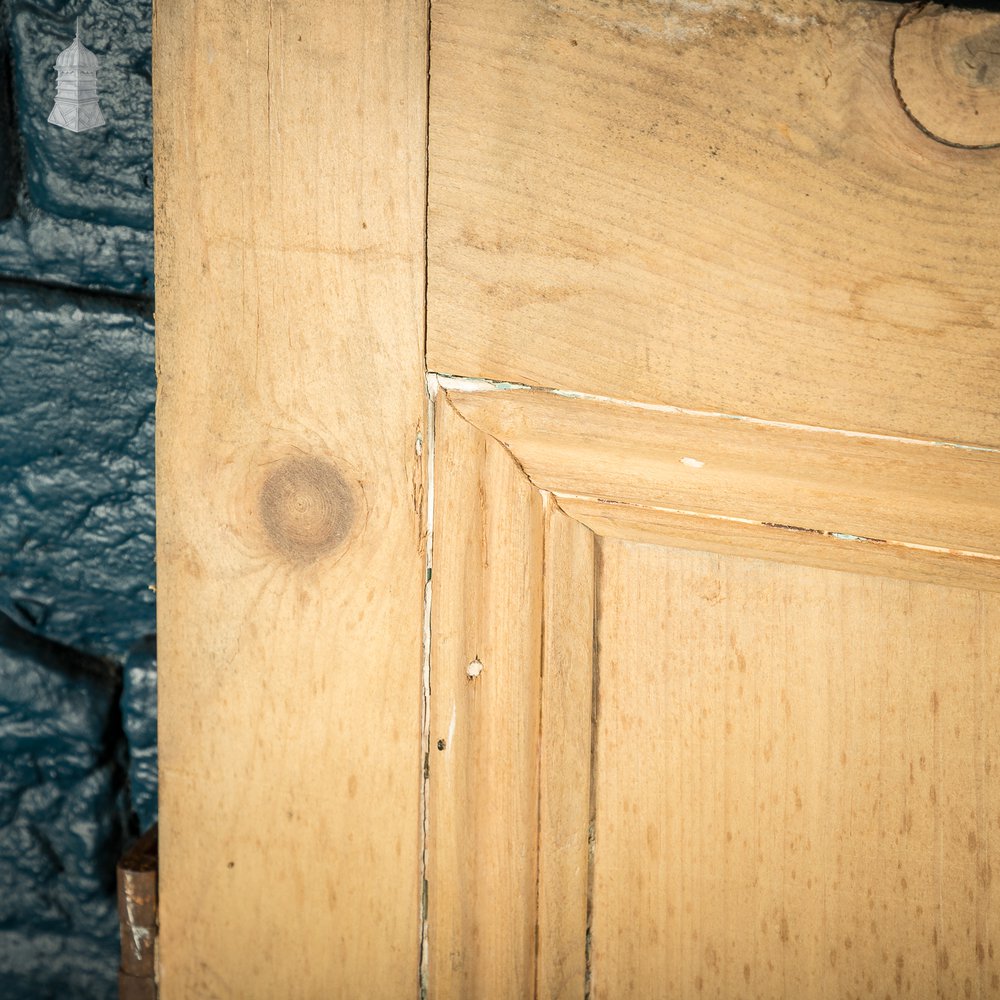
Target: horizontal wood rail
(838, 499)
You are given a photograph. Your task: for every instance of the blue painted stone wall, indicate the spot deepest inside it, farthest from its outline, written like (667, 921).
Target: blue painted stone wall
(77, 643)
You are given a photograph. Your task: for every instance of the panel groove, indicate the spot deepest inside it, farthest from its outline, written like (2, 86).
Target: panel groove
(595, 710)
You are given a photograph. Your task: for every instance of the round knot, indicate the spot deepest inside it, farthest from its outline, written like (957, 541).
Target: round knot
(306, 507)
(946, 70)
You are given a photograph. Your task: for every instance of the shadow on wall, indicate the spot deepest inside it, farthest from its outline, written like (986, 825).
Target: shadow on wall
(77, 651)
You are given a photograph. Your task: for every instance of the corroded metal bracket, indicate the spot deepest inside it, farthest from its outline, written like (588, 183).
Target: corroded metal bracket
(137, 907)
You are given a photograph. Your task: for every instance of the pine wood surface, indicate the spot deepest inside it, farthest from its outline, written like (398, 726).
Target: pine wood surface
(565, 756)
(509, 761)
(790, 775)
(898, 490)
(946, 66)
(290, 167)
(482, 838)
(721, 206)
(796, 785)
(783, 543)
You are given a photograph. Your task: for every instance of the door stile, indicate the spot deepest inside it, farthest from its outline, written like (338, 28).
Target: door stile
(290, 159)
(486, 615)
(566, 755)
(510, 727)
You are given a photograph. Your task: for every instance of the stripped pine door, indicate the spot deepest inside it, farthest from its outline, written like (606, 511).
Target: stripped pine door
(702, 697)
(715, 675)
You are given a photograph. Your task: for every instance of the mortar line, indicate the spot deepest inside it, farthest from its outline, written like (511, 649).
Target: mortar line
(131, 301)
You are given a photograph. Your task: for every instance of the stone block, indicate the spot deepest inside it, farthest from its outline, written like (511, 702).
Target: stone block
(62, 819)
(41, 248)
(103, 175)
(76, 469)
(139, 722)
(8, 153)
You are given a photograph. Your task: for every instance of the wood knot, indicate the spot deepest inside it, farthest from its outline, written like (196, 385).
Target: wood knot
(306, 507)
(946, 71)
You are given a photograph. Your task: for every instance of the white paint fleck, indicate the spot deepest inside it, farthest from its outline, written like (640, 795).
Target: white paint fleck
(692, 463)
(474, 669)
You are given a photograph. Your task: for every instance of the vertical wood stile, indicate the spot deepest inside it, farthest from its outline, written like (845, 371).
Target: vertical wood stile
(290, 193)
(565, 756)
(483, 787)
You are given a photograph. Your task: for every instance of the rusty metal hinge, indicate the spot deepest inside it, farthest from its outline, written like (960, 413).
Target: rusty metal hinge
(137, 912)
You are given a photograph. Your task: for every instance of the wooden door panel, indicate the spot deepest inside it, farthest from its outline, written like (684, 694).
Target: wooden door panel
(795, 792)
(656, 770)
(755, 299)
(718, 205)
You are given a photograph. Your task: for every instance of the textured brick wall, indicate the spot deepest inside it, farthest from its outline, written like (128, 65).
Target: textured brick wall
(77, 650)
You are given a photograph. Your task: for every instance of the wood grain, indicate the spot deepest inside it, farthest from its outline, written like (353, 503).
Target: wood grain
(486, 628)
(290, 169)
(509, 769)
(804, 547)
(796, 785)
(565, 757)
(904, 491)
(717, 205)
(946, 64)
